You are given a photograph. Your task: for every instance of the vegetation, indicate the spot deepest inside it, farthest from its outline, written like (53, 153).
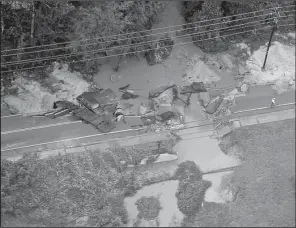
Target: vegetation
(191, 189)
(206, 10)
(93, 23)
(265, 183)
(59, 190)
(148, 207)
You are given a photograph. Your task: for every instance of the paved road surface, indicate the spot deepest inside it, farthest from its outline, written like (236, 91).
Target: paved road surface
(260, 96)
(25, 138)
(20, 122)
(257, 98)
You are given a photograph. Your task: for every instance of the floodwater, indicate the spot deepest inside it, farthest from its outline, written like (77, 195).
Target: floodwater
(205, 152)
(165, 192)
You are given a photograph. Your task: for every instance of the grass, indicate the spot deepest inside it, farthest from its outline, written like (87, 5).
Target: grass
(265, 183)
(60, 190)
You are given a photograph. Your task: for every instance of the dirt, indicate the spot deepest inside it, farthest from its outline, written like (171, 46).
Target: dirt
(279, 69)
(33, 96)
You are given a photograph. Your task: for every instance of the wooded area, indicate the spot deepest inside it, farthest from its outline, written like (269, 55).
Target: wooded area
(74, 31)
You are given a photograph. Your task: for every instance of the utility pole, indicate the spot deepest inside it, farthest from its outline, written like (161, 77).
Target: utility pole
(274, 27)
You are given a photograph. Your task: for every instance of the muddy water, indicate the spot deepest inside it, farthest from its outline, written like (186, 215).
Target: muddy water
(205, 152)
(165, 192)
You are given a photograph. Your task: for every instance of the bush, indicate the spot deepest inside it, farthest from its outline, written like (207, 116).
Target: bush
(148, 207)
(190, 196)
(188, 171)
(191, 188)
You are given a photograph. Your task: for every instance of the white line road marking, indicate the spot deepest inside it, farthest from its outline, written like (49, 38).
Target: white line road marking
(118, 131)
(39, 127)
(2, 117)
(249, 110)
(65, 140)
(30, 114)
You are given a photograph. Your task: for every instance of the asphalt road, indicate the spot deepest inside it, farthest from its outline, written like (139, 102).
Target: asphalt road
(19, 122)
(260, 96)
(48, 134)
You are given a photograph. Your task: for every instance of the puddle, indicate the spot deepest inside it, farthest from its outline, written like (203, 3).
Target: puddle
(213, 194)
(165, 192)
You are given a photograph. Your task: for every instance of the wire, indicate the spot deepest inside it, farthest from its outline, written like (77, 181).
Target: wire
(73, 46)
(83, 60)
(124, 34)
(141, 50)
(132, 45)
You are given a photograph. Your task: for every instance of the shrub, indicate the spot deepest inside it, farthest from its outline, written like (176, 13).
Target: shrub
(188, 171)
(191, 187)
(148, 207)
(190, 196)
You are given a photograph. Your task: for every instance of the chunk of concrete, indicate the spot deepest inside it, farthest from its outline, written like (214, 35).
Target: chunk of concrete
(224, 131)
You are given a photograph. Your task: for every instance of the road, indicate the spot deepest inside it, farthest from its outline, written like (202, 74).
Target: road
(19, 122)
(16, 132)
(260, 96)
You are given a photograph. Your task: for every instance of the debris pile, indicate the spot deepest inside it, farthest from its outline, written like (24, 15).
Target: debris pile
(103, 109)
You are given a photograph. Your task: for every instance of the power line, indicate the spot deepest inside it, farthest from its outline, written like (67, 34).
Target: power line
(132, 45)
(83, 60)
(73, 46)
(68, 47)
(137, 44)
(124, 34)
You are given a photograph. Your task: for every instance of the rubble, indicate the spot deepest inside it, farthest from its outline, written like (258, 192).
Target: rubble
(155, 92)
(213, 105)
(195, 87)
(129, 95)
(225, 130)
(146, 107)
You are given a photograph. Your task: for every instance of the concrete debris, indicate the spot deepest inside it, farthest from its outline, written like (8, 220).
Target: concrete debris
(224, 131)
(166, 97)
(244, 88)
(213, 105)
(146, 107)
(129, 95)
(103, 110)
(155, 92)
(165, 116)
(195, 87)
(163, 108)
(235, 125)
(204, 99)
(242, 70)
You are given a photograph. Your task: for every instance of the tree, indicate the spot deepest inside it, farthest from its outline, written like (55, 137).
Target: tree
(105, 19)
